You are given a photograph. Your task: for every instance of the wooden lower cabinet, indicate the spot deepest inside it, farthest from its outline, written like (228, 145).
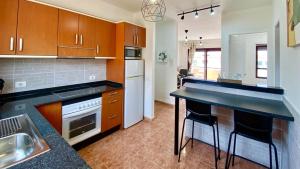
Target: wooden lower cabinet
(112, 109)
(53, 113)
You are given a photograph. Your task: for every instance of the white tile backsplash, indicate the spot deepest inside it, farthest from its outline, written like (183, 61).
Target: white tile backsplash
(45, 73)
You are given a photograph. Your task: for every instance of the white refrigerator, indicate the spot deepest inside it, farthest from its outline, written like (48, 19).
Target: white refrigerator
(134, 92)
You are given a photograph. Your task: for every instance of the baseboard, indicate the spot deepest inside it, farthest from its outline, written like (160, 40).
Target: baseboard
(165, 103)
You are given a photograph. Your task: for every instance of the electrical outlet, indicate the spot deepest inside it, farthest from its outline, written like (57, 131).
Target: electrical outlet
(20, 84)
(92, 77)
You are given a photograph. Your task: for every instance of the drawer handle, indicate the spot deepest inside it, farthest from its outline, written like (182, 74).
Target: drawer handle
(113, 93)
(113, 117)
(114, 101)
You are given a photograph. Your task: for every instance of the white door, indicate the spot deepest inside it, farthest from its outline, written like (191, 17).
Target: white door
(134, 100)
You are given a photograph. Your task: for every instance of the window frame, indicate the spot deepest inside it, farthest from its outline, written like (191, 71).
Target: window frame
(206, 50)
(256, 64)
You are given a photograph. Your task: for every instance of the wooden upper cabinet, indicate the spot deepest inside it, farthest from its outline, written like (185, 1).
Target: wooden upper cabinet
(8, 26)
(87, 30)
(68, 29)
(130, 34)
(135, 36)
(37, 29)
(141, 41)
(76, 35)
(105, 39)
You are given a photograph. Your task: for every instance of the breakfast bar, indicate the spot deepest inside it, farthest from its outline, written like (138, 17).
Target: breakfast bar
(272, 108)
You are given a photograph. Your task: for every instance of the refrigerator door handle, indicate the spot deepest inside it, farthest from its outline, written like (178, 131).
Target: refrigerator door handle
(132, 77)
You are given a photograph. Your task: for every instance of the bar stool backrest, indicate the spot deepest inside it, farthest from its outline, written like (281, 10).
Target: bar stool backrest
(198, 108)
(255, 126)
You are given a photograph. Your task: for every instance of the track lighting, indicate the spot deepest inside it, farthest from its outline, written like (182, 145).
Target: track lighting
(196, 11)
(212, 11)
(196, 14)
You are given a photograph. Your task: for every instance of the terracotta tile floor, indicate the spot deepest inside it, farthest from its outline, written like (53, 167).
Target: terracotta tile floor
(149, 145)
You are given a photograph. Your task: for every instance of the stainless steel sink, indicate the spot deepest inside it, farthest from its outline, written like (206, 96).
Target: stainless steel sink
(19, 141)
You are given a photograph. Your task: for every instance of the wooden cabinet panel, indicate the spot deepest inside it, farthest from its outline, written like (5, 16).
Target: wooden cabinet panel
(135, 36)
(37, 28)
(106, 39)
(112, 109)
(68, 29)
(8, 26)
(130, 34)
(53, 113)
(87, 31)
(141, 41)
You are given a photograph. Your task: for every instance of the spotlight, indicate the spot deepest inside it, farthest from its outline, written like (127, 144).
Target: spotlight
(186, 38)
(196, 14)
(212, 12)
(201, 41)
(182, 17)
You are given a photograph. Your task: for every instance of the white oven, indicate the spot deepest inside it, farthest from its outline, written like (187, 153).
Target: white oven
(81, 119)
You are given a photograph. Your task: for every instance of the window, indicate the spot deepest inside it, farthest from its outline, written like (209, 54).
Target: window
(261, 61)
(206, 64)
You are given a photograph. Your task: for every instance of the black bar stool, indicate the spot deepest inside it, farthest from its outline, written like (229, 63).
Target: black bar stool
(252, 126)
(201, 113)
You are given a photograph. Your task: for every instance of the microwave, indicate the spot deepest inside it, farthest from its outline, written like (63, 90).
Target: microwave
(132, 53)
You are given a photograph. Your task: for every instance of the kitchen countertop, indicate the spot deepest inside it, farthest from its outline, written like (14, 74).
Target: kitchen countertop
(61, 154)
(272, 108)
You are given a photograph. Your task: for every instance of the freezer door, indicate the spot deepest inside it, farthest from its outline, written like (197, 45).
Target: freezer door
(134, 101)
(134, 68)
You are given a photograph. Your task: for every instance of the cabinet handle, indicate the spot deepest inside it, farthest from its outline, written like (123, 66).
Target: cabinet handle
(76, 39)
(134, 39)
(114, 101)
(97, 49)
(113, 116)
(137, 39)
(11, 45)
(21, 44)
(113, 93)
(81, 40)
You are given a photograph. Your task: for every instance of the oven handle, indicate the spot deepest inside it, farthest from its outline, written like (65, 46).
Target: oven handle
(80, 112)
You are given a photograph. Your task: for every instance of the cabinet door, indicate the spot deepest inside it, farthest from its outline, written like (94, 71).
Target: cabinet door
(8, 26)
(106, 39)
(53, 113)
(87, 30)
(130, 34)
(141, 38)
(37, 29)
(68, 29)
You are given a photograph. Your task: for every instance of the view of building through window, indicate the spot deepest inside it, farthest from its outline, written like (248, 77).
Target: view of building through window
(206, 64)
(261, 61)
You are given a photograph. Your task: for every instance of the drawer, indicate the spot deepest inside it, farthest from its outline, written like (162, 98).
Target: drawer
(112, 109)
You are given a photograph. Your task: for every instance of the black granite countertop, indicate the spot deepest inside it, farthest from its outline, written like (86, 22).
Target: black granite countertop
(61, 154)
(264, 89)
(272, 108)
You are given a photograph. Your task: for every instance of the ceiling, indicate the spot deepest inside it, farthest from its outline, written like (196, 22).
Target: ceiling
(235, 5)
(179, 5)
(209, 27)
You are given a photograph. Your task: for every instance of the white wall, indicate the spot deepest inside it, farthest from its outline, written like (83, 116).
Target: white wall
(254, 20)
(290, 80)
(242, 58)
(165, 73)
(183, 49)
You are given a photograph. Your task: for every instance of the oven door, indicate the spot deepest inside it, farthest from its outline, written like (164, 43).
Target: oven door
(81, 125)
